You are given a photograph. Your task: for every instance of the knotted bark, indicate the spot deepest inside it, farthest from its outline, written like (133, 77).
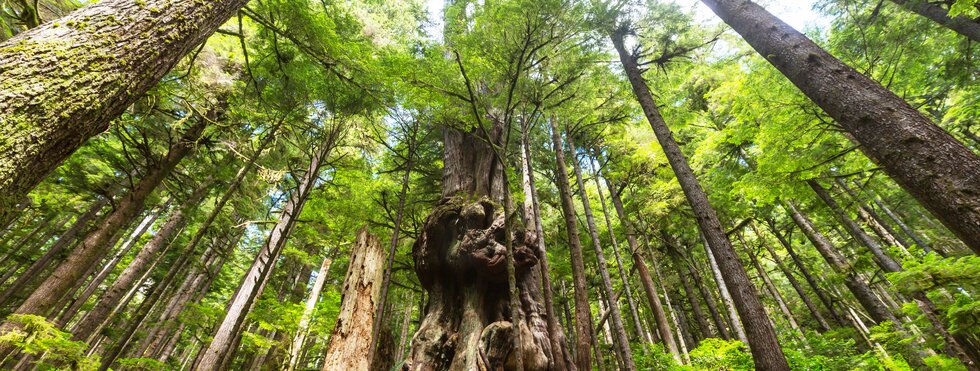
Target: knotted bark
(460, 259)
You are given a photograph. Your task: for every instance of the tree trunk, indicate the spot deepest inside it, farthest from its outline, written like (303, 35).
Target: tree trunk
(764, 344)
(618, 331)
(692, 297)
(473, 319)
(583, 311)
(854, 230)
(960, 24)
(928, 162)
(801, 266)
(351, 344)
(814, 311)
(904, 227)
(95, 245)
(726, 299)
(304, 322)
(771, 287)
(857, 285)
(68, 313)
(82, 224)
(561, 358)
(109, 54)
(217, 354)
(87, 327)
(875, 221)
(649, 287)
(619, 261)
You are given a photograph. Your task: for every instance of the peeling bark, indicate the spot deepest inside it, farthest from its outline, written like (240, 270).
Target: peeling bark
(351, 343)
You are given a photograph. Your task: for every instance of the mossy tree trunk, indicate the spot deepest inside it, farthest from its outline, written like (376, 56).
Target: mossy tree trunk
(63, 82)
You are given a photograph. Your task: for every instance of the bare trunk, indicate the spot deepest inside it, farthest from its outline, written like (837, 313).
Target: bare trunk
(857, 285)
(110, 53)
(725, 295)
(928, 162)
(561, 358)
(619, 261)
(814, 311)
(85, 328)
(854, 230)
(93, 285)
(472, 318)
(217, 354)
(771, 287)
(681, 267)
(649, 287)
(82, 223)
(801, 266)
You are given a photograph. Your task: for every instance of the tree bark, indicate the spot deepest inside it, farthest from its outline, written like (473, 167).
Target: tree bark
(959, 24)
(64, 81)
(95, 245)
(925, 160)
(304, 323)
(725, 294)
(771, 287)
(764, 344)
(814, 311)
(857, 285)
(619, 261)
(618, 331)
(692, 297)
(68, 313)
(351, 343)
(801, 266)
(583, 311)
(217, 354)
(87, 327)
(561, 358)
(854, 230)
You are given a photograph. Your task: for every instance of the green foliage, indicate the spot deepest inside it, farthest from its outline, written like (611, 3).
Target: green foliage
(142, 364)
(656, 357)
(36, 336)
(718, 354)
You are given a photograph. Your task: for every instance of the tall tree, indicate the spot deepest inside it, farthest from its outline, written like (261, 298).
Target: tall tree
(763, 342)
(217, 354)
(925, 160)
(958, 23)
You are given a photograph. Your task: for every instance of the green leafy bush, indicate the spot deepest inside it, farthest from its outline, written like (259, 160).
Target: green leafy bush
(52, 347)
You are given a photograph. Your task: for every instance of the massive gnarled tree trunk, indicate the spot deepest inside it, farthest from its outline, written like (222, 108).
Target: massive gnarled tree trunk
(461, 261)
(64, 81)
(351, 344)
(764, 345)
(935, 168)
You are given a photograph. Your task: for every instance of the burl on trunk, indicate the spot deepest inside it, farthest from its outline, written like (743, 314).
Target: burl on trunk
(461, 260)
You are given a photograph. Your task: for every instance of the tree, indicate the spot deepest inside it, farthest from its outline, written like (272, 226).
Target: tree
(762, 338)
(935, 168)
(351, 345)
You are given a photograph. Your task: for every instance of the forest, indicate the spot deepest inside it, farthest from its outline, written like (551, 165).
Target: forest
(489, 185)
